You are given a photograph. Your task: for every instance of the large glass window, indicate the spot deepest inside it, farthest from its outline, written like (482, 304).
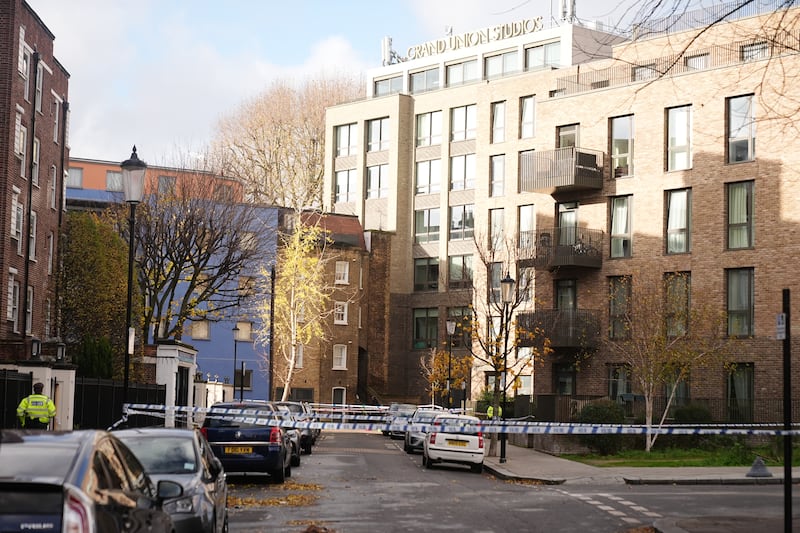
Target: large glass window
(463, 72)
(740, 214)
(500, 64)
(619, 382)
(426, 225)
(462, 172)
(496, 229)
(463, 122)
(740, 393)
(426, 328)
(621, 226)
(426, 274)
(497, 175)
(463, 318)
(378, 134)
(459, 270)
(426, 80)
(498, 122)
(741, 129)
(677, 291)
(429, 128)
(346, 185)
(428, 176)
(75, 178)
(526, 117)
(679, 218)
(378, 181)
(679, 134)
(525, 227)
(388, 86)
(546, 55)
(462, 222)
(622, 146)
(346, 139)
(740, 302)
(619, 299)
(568, 135)
(564, 378)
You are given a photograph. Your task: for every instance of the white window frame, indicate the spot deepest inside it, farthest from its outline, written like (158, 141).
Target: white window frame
(462, 172)
(527, 117)
(497, 175)
(463, 122)
(342, 276)
(429, 128)
(378, 134)
(29, 311)
(50, 252)
(498, 122)
(339, 359)
(348, 179)
(12, 304)
(679, 138)
(35, 160)
(346, 139)
(53, 188)
(340, 313)
(56, 116)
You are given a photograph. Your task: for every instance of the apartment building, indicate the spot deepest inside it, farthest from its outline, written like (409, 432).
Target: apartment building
(600, 157)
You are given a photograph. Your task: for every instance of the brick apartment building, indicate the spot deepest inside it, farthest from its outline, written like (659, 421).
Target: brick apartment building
(527, 133)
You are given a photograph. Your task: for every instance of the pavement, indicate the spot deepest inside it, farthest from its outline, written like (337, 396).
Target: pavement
(532, 465)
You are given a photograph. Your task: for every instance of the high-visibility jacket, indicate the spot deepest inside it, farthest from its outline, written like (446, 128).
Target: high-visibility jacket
(490, 411)
(36, 406)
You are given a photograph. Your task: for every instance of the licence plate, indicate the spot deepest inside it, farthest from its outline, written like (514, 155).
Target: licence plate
(238, 449)
(461, 443)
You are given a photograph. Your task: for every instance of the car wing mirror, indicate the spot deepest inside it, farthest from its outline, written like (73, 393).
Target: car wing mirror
(169, 489)
(214, 467)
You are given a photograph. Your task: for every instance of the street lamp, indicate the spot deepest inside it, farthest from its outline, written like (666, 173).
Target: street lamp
(451, 328)
(506, 292)
(133, 170)
(235, 344)
(36, 348)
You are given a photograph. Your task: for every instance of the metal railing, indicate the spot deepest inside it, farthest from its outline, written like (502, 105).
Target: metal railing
(562, 247)
(561, 169)
(564, 328)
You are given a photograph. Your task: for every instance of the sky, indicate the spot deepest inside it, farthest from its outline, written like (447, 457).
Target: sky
(161, 73)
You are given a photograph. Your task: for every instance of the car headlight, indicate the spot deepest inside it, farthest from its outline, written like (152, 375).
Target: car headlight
(180, 505)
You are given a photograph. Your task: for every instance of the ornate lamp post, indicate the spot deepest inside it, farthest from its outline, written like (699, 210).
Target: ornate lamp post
(507, 292)
(133, 171)
(451, 328)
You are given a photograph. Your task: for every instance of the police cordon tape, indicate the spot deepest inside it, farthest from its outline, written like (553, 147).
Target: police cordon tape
(266, 417)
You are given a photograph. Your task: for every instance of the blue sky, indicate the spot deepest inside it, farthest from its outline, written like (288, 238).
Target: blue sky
(160, 73)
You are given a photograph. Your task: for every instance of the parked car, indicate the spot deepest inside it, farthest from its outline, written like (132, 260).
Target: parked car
(289, 422)
(398, 413)
(184, 455)
(415, 437)
(79, 481)
(450, 440)
(302, 413)
(242, 437)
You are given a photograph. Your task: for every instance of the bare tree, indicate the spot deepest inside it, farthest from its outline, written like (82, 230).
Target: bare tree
(274, 142)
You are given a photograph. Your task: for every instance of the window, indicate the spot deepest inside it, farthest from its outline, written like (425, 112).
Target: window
(496, 229)
(32, 236)
(679, 219)
(740, 393)
(564, 378)
(56, 117)
(340, 313)
(566, 294)
(75, 178)
(338, 395)
(741, 129)
(459, 270)
(245, 332)
(378, 181)
(223, 193)
(428, 176)
(679, 133)
(740, 302)
(426, 328)
(546, 55)
(299, 356)
(35, 161)
(567, 223)
(677, 291)
(248, 240)
(621, 226)
(378, 134)
(525, 229)
(429, 128)
(346, 140)
(754, 51)
(342, 276)
(339, 357)
(39, 82)
(53, 186)
(426, 225)
(495, 275)
(388, 86)
(740, 214)
(645, 72)
(48, 319)
(16, 215)
(463, 121)
(166, 185)
(426, 80)
(462, 172)
(23, 150)
(50, 252)
(200, 330)
(622, 146)
(12, 306)
(696, 62)
(568, 135)
(29, 311)
(526, 117)
(497, 174)
(525, 283)
(346, 185)
(113, 181)
(463, 319)
(461, 73)
(498, 122)
(25, 69)
(619, 382)
(462, 222)
(426, 274)
(500, 64)
(619, 300)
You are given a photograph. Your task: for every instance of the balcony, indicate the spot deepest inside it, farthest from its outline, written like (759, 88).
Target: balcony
(551, 248)
(560, 170)
(566, 328)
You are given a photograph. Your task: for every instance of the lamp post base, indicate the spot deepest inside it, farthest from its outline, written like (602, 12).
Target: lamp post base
(502, 447)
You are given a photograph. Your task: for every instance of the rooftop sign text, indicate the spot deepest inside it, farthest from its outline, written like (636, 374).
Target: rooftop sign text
(474, 38)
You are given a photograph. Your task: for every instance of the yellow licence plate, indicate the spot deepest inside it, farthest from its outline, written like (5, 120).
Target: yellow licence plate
(238, 449)
(462, 443)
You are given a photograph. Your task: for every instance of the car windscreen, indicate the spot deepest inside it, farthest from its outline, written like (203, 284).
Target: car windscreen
(163, 455)
(457, 425)
(37, 459)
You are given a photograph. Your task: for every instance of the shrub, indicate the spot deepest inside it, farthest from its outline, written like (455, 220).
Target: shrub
(602, 412)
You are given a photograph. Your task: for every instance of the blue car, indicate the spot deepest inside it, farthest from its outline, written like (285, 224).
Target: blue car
(82, 481)
(246, 437)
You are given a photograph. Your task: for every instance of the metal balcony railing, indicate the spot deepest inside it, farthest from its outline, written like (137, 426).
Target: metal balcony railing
(550, 248)
(565, 328)
(562, 170)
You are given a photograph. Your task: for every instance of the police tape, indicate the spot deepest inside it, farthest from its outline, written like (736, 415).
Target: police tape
(267, 417)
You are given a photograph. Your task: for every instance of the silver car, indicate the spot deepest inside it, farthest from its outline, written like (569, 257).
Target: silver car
(415, 436)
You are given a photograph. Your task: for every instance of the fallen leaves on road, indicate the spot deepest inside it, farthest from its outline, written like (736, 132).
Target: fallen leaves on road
(294, 500)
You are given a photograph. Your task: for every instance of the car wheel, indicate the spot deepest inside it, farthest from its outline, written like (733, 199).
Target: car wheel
(295, 460)
(407, 448)
(307, 447)
(279, 475)
(225, 523)
(477, 468)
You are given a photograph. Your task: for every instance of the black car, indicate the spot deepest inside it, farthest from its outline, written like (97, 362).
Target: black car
(184, 455)
(78, 481)
(247, 437)
(303, 414)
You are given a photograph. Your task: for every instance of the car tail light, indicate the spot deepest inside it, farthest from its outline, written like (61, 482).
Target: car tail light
(275, 435)
(204, 431)
(480, 440)
(78, 513)
(432, 438)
